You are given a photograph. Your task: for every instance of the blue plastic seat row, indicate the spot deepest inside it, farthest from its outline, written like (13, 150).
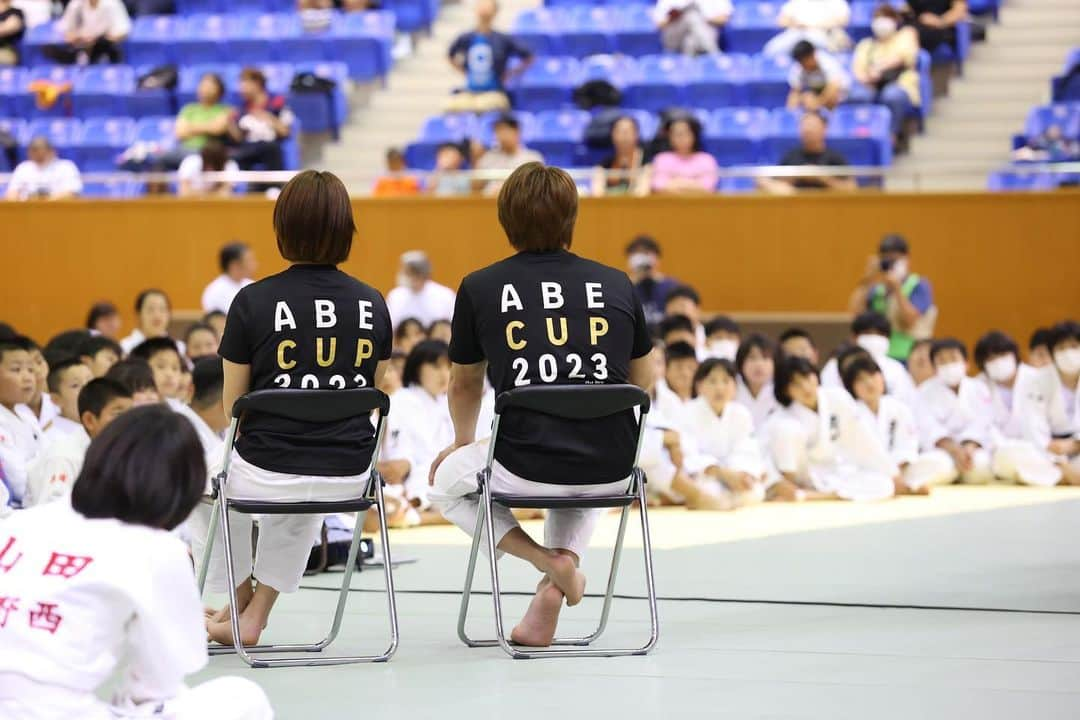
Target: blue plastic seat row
(412, 15)
(736, 136)
(1066, 86)
(361, 40)
(110, 90)
(1013, 181)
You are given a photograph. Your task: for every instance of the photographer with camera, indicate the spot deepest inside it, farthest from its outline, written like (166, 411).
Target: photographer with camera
(889, 288)
(651, 285)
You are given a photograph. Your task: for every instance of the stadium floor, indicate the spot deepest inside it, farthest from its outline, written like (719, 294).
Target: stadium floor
(772, 612)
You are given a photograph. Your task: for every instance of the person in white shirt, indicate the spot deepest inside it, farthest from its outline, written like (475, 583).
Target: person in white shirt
(676, 390)
(18, 435)
(820, 445)
(820, 22)
(950, 417)
(690, 26)
(238, 266)
(417, 295)
(817, 80)
(754, 361)
(43, 175)
(100, 585)
(51, 476)
(153, 311)
(871, 331)
(94, 30)
(193, 168)
(895, 426)
(65, 380)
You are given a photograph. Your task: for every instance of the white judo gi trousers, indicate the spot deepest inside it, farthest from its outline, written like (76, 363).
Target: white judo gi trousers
(454, 494)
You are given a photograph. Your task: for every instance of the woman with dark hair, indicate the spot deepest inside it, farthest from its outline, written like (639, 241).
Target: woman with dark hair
(628, 173)
(820, 446)
(104, 319)
(884, 66)
(408, 333)
(685, 169)
(311, 327)
(754, 385)
(101, 583)
(153, 313)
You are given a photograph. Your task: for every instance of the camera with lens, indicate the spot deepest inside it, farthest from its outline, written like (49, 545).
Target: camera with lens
(886, 264)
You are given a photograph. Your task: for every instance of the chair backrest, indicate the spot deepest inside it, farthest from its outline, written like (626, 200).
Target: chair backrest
(575, 402)
(314, 406)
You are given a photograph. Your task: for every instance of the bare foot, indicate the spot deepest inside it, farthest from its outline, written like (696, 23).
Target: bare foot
(217, 616)
(221, 631)
(537, 628)
(564, 574)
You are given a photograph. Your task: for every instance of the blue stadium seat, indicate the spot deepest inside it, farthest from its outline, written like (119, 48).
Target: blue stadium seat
(1009, 181)
(782, 135)
(192, 7)
(635, 32)
(412, 15)
(751, 26)
(719, 80)
(485, 127)
(156, 129)
(660, 82)
(859, 26)
(547, 83)
(152, 39)
(103, 90)
(312, 109)
(26, 105)
(12, 87)
(539, 30)
(252, 39)
(557, 135)
(63, 133)
(35, 39)
(768, 84)
(589, 31)
(436, 131)
(1066, 86)
(861, 133)
(733, 135)
(119, 189)
(362, 40)
(200, 39)
(17, 129)
(1064, 115)
(102, 139)
(616, 69)
(147, 102)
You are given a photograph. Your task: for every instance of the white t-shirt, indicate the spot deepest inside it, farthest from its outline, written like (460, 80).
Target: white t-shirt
(709, 8)
(831, 71)
(53, 178)
(219, 294)
(433, 302)
(817, 13)
(110, 17)
(191, 170)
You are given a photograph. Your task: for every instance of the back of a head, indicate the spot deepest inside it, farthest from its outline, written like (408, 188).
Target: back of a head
(98, 393)
(214, 156)
(538, 207)
(152, 346)
(94, 344)
(66, 344)
(134, 374)
(145, 468)
(313, 219)
(208, 380)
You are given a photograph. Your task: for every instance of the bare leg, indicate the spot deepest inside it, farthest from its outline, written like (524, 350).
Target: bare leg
(560, 566)
(253, 619)
(244, 592)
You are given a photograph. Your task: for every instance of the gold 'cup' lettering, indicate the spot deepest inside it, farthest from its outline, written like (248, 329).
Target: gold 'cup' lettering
(281, 361)
(598, 328)
(364, 350)
(510, 341)
(563, 335)
(325, 362)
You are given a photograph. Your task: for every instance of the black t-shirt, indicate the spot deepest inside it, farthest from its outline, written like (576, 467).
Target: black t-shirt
(554, 319)
(937, 7)
(13, 39)
(311, 327)
(799, 156)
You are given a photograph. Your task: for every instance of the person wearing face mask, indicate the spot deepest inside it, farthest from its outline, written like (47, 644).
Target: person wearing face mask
(950, 415)
(871, 331)
(884, 66)
(722, 336)
(643, 257)
(417, 295)
(889, 288)
(1049, 400)
(1016, 457)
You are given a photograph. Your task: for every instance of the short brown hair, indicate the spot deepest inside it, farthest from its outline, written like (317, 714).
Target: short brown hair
(255, 75)
(538, 208)
(313, 219)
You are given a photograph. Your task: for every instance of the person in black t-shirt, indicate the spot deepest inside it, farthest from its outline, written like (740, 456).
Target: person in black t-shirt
(310, 327)
(936, 21)
(811, 151)
(541, 317)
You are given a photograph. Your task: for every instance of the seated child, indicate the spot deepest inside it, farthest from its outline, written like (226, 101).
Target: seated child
(675, 329)
(100, 353)
(66, 378)
(205, 412)
(754, 361)
(51, 476)
(39, 409)
(216, 320)
(99, 585)
(797, 342)
(677, 388)
(18, 435)
(870, 331)
(722, 335)
(201, 341)
(820, 445)
(167, 364)
(135, 374)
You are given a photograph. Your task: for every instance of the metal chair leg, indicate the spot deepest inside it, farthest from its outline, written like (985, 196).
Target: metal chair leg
(470, 573)
(208, 548)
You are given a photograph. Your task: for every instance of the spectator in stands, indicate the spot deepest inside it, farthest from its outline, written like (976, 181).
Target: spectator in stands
(43, 175)
(449, 178)
(12, 27)
(508, 153)
(200, 121)
(820, 22)
(261, 125)
(690, 26)
(35, 12)
(104, 319)
(685, 169)
(918, 363)
(154, 311)
(397, 183)
(417, 296)
(817, 80)
(315, 15)
(1050, 145)
(888, 287)
(212, 157)
(627, 158)
(1039, 348)
(93, 31)
(651, 285)
(797, 342)
(936, 21)
(884, 66)
(482, 55)
(812, 150)
(238, 265)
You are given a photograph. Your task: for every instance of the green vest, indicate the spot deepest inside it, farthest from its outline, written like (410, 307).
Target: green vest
(900, 343)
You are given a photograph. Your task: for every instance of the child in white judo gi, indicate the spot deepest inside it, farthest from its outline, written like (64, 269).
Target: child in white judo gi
(98, 584)
(167, 364)
(39, 410)
(66, 378)
(19, 435)
(99, 353)
(755, 364)
(870, 331)
(819, 444)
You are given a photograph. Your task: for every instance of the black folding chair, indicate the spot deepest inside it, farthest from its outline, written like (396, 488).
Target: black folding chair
(577, 402)
(313, 406)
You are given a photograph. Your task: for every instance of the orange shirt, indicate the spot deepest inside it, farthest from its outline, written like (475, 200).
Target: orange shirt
(396, 186)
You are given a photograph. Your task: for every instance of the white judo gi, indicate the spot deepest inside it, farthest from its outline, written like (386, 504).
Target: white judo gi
(1049, 409)
(655, 461)
(898, 382)
(895, 427)
(961, 415)
(727, 441)
(42, 421)
(19, 447)
(760, 407)
(831, 450)
(60, 427)
(53, 473)
(80, 598)
(418, 429)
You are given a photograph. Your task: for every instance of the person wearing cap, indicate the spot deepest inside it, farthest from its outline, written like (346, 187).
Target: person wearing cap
(482, 55)
(508, 153)
(888, 287)
(417, 295)
(44, 175)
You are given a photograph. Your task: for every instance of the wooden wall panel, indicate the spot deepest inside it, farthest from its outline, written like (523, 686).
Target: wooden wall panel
(1007, 261)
